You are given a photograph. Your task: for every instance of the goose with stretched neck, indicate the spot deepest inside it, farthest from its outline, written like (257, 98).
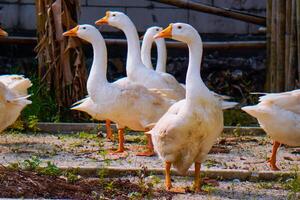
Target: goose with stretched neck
(128, 104)
(185, 134)
(160, 46)
(148, 39)
(13, 96)
(279, 115)
(136, 70)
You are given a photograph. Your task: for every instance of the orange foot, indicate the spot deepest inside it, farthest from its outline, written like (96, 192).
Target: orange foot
(179, 190)
(146, 153)
(273, 166)
(135, 148)
(119, 153)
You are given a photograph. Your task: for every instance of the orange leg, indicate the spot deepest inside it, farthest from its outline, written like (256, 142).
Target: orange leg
(197, 185)
(150, 151)
(109, 133)
(272, 160)
(121, 148)
(168, 183)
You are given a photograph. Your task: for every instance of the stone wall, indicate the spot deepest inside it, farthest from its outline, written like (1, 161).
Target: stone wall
(20, 14)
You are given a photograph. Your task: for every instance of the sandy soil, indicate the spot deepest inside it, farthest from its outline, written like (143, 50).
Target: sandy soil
(231, 152)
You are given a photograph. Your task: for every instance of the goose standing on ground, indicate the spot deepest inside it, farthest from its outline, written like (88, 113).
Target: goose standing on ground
(136, 70)
(13, 96)
(161, 49)
(186, 133)
(279, 115)
(128, 104)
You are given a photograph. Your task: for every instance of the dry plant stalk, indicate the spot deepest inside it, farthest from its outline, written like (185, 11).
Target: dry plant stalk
(283, 37)
(61, 59)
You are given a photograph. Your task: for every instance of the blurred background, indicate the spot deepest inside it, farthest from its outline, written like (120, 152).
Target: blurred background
(234, 62)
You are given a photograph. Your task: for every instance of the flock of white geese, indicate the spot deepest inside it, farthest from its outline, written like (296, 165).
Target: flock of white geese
(181, 122)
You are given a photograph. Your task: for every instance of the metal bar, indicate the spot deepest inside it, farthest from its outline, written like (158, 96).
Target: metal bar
(170, 44)
(225, 12)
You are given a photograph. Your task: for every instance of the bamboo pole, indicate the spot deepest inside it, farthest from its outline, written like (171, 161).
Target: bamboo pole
(287, 66)
(216, 11)
(272, 67)
(298, 38)
(292, 59)
(268, 38)
(280, 45)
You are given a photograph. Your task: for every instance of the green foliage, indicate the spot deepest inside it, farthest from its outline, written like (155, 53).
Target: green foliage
(32, 123)
(31, 164)
(208, 188)
(135, 195)
(87, 136)
(43, 104)
(265, 185)
(18, 126)
(102, 174)
(72, 176)
(51, 170)
(293, 185)
(211, 163)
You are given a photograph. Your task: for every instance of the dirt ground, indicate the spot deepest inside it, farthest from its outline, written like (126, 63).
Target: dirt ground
(230, 152)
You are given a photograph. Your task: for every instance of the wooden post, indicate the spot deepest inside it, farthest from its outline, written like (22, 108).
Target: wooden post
(280, 44)
(287, 45)
(268, 37)
(298, 38)
(272, 67)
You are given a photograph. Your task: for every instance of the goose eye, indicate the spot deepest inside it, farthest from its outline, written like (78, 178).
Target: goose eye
(113, 15)
(179, 27)
(84, 28)
(157, 29)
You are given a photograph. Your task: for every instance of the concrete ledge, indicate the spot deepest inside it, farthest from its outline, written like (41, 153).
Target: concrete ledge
(221, 174)
(76, 127)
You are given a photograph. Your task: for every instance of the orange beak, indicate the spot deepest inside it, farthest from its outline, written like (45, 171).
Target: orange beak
(103, 20)
(166, 33)
(3, 33)
(72, 32)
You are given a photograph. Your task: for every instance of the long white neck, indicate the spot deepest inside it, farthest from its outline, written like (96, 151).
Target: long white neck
(98, 71)
(146, 51)
(195, 87)
(134, 52)
(161, 55)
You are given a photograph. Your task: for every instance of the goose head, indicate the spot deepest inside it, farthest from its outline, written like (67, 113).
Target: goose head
(115, 19)
(85, 32)
(179, 31)
(152, 31)
(3, 33)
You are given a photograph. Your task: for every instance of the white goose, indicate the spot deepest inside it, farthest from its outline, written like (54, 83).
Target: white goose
(128, 104)
(161, 49)
(148, 39)
(186, 133)
(13, 96)
(136, 70)
(279, 115)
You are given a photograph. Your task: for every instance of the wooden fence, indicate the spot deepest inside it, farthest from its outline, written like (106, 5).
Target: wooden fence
(283, 44)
